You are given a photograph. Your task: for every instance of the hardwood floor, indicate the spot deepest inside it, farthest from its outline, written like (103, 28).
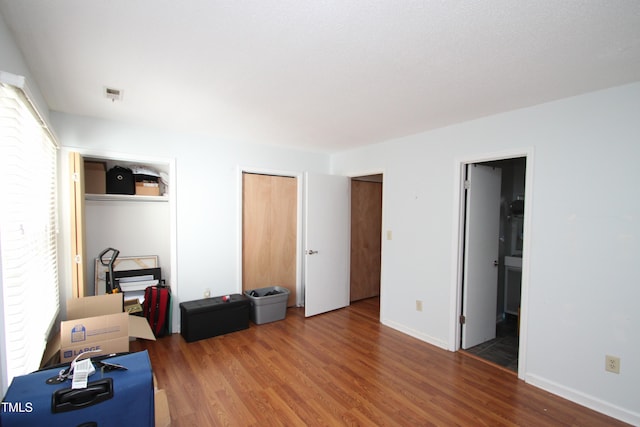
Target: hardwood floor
(344, 368)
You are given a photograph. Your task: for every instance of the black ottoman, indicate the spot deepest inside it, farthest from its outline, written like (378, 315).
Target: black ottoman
(206, 318)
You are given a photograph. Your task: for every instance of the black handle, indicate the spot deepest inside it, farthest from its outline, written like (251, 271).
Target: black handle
(111, 282)
(113, 256)
(68, 399)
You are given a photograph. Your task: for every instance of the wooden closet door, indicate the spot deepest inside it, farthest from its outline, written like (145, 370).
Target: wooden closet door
(77, 226)
(284, 191)
(269, 233)
(255, 230)
(366, 229)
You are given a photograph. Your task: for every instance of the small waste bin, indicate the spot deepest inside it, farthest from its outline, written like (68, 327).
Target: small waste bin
(268, 304)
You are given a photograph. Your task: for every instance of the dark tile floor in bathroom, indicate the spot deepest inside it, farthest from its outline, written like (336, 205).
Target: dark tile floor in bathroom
(503, 350)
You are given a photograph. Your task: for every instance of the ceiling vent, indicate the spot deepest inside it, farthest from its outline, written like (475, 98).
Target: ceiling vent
(113, 94)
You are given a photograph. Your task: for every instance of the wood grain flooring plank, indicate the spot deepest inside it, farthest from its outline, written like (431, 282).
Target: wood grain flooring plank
(344, 368)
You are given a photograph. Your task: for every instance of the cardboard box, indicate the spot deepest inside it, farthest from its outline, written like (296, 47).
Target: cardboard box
(144, 188)
(99, 323)
(95, 177)
(162, 414)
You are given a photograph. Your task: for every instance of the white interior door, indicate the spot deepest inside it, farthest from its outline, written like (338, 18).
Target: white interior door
(482, 224)
(326, 230)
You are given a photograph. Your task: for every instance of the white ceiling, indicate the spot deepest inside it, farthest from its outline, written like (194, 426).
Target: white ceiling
(321, 75)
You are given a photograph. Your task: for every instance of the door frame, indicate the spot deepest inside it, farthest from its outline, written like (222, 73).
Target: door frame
(299, 222)
(65, 220)
(458, 247)
(382, 172)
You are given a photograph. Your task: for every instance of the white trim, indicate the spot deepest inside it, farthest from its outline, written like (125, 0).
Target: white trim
(526, 268)
(455, 290)
(414, 333)
(20, 82)
(365, 173)
(458, 253)
(12, 79)
(299, 226)
(584, 399)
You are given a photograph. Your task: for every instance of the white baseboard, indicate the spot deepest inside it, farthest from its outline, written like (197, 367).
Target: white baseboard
(416, 334)
(583, 399)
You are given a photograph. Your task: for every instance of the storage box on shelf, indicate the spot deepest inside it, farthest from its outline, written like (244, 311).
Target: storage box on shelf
(146, 188)
(95, 177)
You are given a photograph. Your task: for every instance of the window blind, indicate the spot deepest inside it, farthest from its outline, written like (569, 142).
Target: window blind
(28, 233)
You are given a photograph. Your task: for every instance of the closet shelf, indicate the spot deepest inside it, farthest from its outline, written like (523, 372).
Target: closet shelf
(126, 197)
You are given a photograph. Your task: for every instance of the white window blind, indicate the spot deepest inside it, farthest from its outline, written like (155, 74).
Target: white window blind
(28, 233)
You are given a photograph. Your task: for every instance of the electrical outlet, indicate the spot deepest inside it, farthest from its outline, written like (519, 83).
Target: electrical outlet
(612, 364)
(207, 293)
(389, 235)
(418, 305)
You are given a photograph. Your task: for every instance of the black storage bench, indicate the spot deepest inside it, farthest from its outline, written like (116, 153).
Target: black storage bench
(206, 318)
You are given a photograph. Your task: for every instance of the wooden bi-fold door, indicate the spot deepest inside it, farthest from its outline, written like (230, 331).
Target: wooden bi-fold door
(269, 227)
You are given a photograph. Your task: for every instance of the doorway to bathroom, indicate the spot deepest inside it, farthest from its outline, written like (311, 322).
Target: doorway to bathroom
(494, 197)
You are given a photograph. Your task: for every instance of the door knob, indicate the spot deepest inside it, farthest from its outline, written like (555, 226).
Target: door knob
(311, 252)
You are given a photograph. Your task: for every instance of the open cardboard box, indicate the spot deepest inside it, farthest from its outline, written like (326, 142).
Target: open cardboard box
(98, 323)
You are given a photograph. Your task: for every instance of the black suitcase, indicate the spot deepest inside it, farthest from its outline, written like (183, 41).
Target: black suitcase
(112, 398)
(120, 181)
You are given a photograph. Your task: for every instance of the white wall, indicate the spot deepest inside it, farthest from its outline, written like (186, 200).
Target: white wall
(207, 189)
(583, 290)
(137, 228)
(12, 61)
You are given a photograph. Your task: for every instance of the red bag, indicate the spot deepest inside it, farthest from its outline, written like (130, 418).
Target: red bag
(157, 306)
